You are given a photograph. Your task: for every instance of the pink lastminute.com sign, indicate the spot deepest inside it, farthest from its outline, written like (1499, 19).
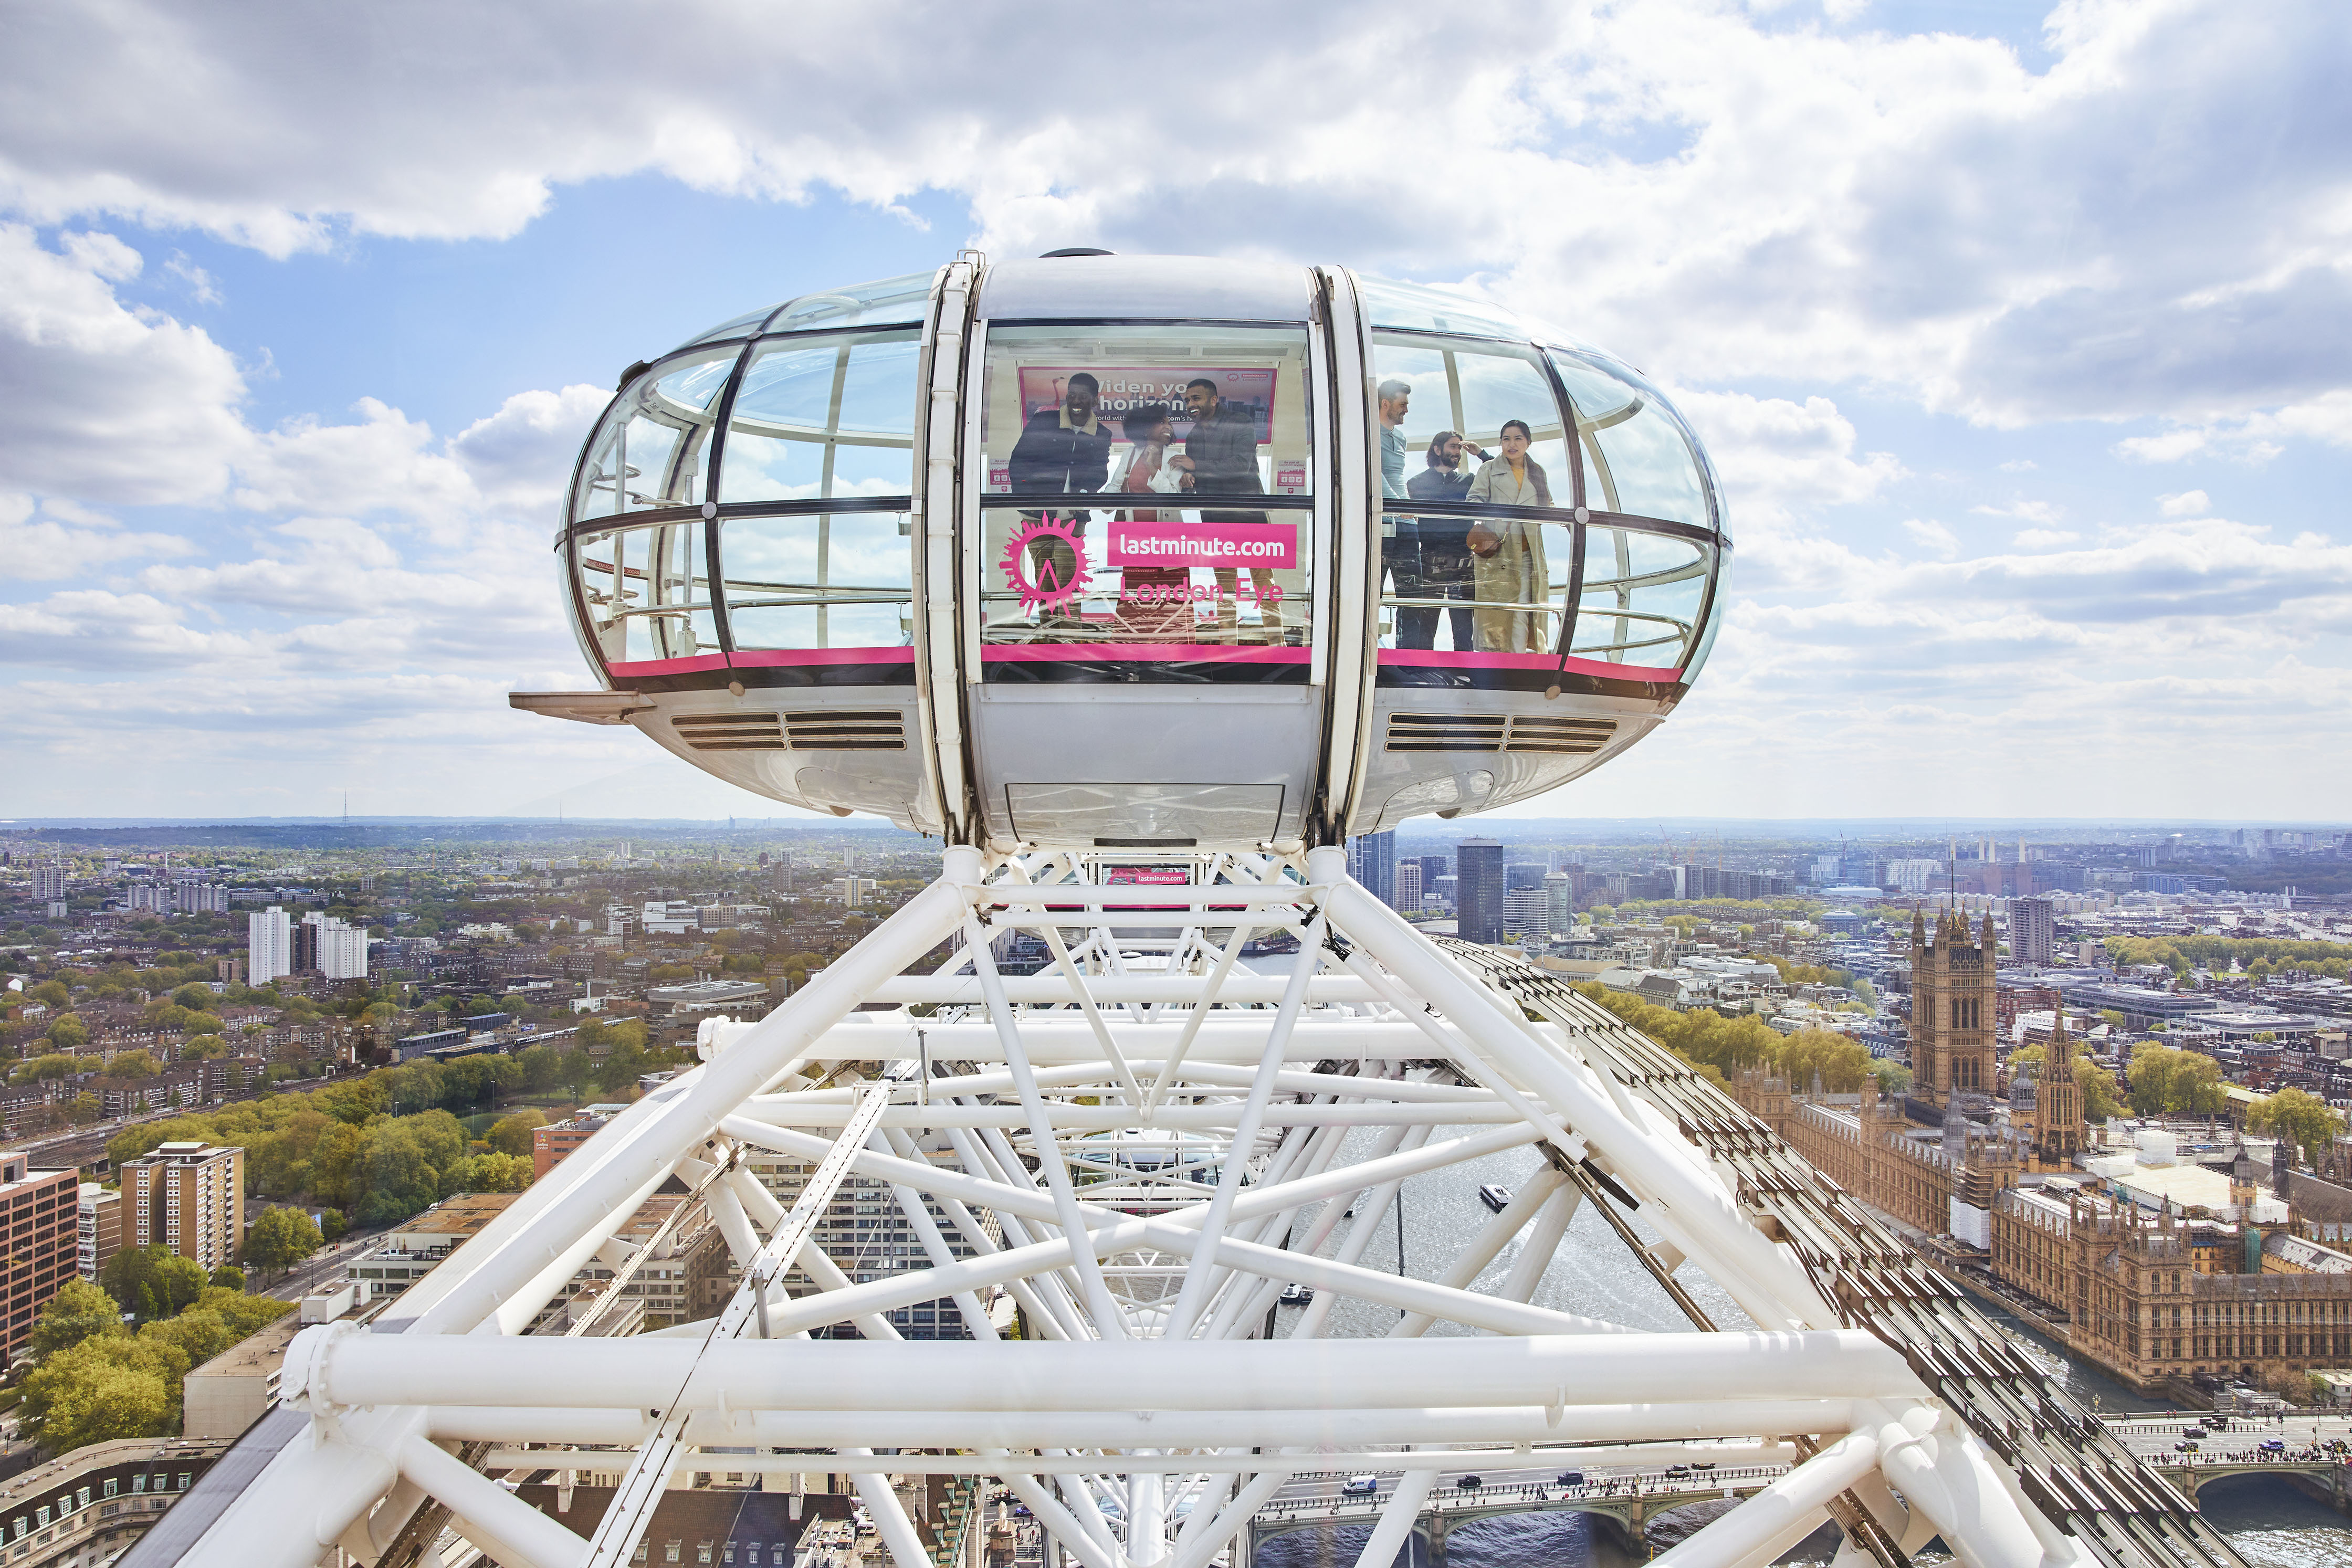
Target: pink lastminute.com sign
(1186, 544)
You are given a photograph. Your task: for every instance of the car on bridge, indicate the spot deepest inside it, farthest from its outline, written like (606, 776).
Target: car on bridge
(1572, 1477)
(1469, 1483)
(2273, 1446)
(1361, 1486)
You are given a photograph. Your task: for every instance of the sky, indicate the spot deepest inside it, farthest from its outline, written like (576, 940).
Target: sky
(2018, 333)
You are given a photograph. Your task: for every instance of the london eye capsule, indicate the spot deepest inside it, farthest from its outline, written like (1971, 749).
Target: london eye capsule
(1140, 552)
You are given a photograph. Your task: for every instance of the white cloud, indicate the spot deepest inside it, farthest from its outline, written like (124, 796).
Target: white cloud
(2187, 504)
(2044, 538)
(66, 541)
(201, 286)
(1781, 458)
(2044, 513)
(98, 401)
(522, 455)
(1933, 537)
(2150, 227)
(2254, 437)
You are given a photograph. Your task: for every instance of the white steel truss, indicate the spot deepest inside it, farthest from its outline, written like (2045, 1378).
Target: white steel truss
(1139, 1148)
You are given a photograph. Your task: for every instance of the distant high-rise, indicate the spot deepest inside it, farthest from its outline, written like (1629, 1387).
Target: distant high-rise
(1478, 890)
(269, 945)
(1372, 861)
(1523, 912)
(1524, 874)
(1559, 903)
(1409, 893)
(49, 880)
(1434, 866)
(2032, 936)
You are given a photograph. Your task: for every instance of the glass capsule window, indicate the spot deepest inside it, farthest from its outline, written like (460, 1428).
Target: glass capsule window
(1202, 432)
(818, 580)
(823, 417)
(1638, 459)
(651, 448)
(1468, 438)
(644, 593)
(1641, 598)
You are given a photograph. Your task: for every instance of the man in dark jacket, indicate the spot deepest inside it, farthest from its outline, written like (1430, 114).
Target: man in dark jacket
(1445, 570)
(1220, 459)
(1063, 449)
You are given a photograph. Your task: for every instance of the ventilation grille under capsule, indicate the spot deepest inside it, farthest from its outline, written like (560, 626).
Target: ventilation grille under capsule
(879, 729)
(1496, 732)
(730, 731)
(871, 729)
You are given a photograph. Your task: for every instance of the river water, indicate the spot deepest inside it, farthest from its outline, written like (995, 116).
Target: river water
(2270, 1523)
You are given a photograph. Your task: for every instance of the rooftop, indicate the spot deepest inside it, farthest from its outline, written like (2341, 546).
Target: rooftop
(257, 1352)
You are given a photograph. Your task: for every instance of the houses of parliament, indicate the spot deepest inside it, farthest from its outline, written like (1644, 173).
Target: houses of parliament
(2164, 1295)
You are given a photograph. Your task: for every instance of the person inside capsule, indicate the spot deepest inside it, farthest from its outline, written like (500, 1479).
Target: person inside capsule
(1220, 457)
(1508, 551)
(1154, 602)
(1444, 547)
(1066, 448)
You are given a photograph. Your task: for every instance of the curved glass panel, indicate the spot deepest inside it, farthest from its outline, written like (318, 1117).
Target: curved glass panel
(742, 326)
(1417, 307)
(650, 448)
(1637, 458)
(1504, 590)
(818, 580)
(886, 299)
(646, 593)
(1438, 411)
(818, 419)
(1642, 594)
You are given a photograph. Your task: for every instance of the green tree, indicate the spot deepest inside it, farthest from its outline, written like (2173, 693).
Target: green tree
(153, 1282)
(2166, 1079)
(42, 1069)
(100, 1390)
(578, 1070)
(79, 1311)
(332, 1224)
(49, 993)
(132, 1067)
(68, 1033)
(229, 1277)
(2100, 1100)
(510, 1135)
(543, 1067)
(279, 1239)
(196, 998)
(2294, 1114)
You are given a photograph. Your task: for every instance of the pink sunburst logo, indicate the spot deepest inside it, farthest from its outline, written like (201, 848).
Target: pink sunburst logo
(1039, 577)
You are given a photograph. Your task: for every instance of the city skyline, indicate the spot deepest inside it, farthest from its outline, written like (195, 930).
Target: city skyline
(2051, 530)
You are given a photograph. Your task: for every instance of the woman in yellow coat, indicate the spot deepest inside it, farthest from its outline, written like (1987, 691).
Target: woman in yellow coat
(1509, 551)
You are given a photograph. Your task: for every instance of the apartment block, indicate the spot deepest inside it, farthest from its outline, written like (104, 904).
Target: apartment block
(188, 1196)
(44, 1234)
(100, 1232)
(269, 945)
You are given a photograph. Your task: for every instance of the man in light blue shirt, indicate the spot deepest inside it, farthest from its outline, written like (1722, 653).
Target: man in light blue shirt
(1400, 537)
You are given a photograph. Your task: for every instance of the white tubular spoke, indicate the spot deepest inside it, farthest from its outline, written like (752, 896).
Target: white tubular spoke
(1110, 1321)
(1221, 1207)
